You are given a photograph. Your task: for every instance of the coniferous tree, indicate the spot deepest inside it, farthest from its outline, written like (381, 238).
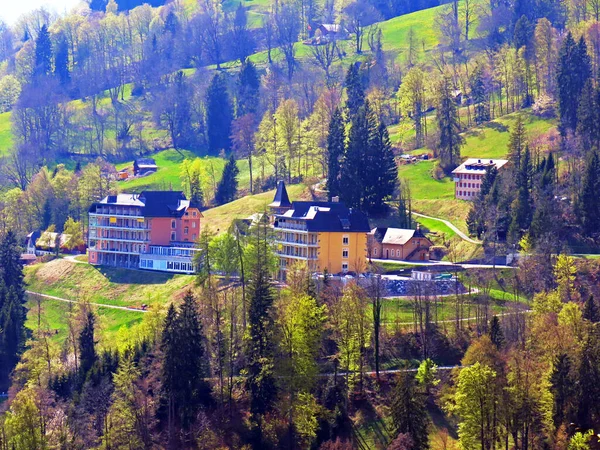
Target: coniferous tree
(184, 366)
(354, 171)
(382, 172)
(588, 115)
(227, 188)
(87, 344)
(521, 207)
(12, 307)
(478, 94)
(335, 151)
(43, 53)
(260, 349)
(219, 115)
(248, 89)
(354, 91)
(496, 334)
(588, 203)
(590, 310)
(573, 71)
(408, 411)
(588, 388)
(450, 139)
(517, 143)
(61, 63)
(562, 388)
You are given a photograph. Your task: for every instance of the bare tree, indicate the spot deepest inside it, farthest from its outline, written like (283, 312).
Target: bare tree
(287, 24)
(242, 138)
(359, 15)
(468, 16)
(325, 55)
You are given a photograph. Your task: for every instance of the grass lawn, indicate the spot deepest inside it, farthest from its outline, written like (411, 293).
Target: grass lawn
(107, 285)
(400, 310)
(168, 175)
(219, 219)
(6, 139)
(55, 313)
(491, 139)
(435, 226)
(422, 183)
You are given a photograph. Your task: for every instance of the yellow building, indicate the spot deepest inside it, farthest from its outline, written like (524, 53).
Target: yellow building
(326, 235)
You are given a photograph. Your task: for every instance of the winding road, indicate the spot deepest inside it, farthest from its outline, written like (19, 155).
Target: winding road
(99, 305)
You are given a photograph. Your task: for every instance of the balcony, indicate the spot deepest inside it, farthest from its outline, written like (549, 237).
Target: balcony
(296, 255)
(112, 239)
(295, 243)
(119, 227)
(124, 216)
(301, 228)
(117, 252)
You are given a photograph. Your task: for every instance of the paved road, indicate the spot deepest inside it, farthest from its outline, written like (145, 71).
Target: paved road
(100, 305)
(443, 263)
(462, 235)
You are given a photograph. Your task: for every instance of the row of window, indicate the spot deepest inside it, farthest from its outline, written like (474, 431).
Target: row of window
(466, 194)
(174, 225)
(471, 176)
(469, 185)
(184, 267)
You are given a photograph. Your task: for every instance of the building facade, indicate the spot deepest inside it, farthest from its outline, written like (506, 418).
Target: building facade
(398, 244)
(469, 175)
(154, 230)
(326, 235)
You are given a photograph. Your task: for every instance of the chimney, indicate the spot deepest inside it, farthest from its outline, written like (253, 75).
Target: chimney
(335, 199)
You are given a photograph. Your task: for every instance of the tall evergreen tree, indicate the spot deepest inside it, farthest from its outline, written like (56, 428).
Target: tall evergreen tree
(12, 307)
(382, 172)
(562, 387)
(248, 89)
(184, 366)
(408, 411)
(479, 96)
(87, 344)
(450, 139)
(590, 310)
(521, 206)
(219, 115)
(573, 71)
(227, 188)
(335, 151)
(61, 63)
(354, 91)
(517, 143)
(588, 115)
(588, 202)
(43, 53)
(496, 334)
(354, 171)
(260, 349)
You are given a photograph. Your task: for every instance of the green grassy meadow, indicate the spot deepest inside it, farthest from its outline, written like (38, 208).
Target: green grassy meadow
(6, 140)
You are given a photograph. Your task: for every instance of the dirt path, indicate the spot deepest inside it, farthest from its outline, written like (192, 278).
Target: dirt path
(100, 305)
(462, 235)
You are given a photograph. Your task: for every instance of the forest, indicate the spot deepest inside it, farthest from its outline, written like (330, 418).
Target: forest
(326, 95)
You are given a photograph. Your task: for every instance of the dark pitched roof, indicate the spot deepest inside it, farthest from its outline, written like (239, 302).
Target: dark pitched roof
(281, 199)
(145, 162)
(328, 216)
(153, 203)
(164, 203)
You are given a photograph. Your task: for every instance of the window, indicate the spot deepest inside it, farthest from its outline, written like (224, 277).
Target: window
(193, 213)
(185, 230)
(150, 263)
(193, 237)
(187, 214)
(375, 252)
(345, 240)
(345, 253)
(173, 237)
(344, 267)
(193, 224)
(173, 224)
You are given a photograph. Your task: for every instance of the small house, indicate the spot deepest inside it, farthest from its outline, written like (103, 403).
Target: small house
(398, 244)
(144, 166)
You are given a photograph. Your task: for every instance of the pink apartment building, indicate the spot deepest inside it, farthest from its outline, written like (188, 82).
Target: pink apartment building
(468, 176)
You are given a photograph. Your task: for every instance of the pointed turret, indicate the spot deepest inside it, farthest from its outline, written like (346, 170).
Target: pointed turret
(281, 202)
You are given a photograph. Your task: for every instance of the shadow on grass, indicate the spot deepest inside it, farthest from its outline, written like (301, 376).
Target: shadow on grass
(440, 420)
(119, 275)
(501, 128)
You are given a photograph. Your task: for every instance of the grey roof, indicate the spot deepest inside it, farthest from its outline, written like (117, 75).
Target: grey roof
(479, 166)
